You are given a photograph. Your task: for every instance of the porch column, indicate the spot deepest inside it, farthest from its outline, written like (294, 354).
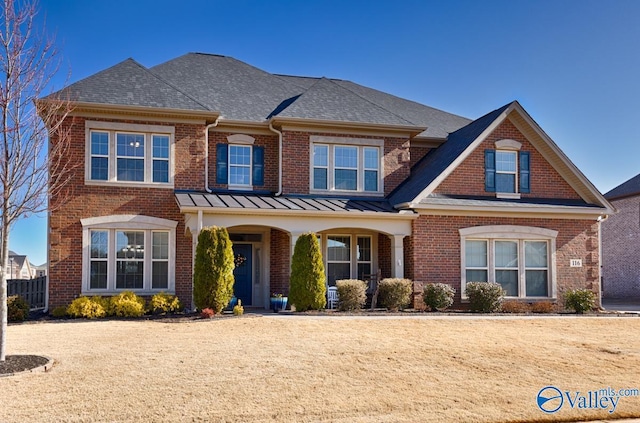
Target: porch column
(397, 256)
(294, 238)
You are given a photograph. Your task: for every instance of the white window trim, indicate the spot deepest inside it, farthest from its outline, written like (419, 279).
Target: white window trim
(248, 186)
(361, 144)
(521, 234)
(112, 128)
(115, 223)
(509, 145)
(353, 266)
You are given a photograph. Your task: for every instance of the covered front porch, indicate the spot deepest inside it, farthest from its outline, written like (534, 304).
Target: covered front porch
(357, 238)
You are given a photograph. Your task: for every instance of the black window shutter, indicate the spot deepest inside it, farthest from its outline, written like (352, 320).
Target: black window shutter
(490, 170)
(525, 172)
(258, 166)
(222, 175)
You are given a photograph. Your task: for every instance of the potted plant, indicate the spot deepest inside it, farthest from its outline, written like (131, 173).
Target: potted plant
(278, 302)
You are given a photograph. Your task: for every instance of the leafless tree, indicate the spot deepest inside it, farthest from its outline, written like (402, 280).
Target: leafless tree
(31, 168)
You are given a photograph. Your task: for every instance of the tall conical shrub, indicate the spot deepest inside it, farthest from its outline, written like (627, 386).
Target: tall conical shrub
(213, 274)
(307, 288)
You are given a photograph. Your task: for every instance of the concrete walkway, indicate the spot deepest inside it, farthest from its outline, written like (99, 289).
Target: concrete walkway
(629, 305)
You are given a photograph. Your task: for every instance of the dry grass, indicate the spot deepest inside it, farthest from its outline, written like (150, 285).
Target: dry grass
(319, 369)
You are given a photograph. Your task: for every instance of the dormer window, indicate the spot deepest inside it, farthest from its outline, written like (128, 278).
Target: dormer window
(507, 169)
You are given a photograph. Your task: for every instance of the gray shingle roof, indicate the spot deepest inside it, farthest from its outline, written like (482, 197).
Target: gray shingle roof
(625, 189)
(437, 160)
(326, 100)
(239, 91)
(131, 84)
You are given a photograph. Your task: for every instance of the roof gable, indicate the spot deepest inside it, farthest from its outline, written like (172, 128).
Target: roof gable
(431, 168)
(436, 166)
(130, 84)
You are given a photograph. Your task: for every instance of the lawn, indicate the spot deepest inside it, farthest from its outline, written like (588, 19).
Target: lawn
(316, 368)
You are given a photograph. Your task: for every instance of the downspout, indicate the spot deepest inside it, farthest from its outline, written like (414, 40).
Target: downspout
(272, 129)
(600, 279)
(206, 153)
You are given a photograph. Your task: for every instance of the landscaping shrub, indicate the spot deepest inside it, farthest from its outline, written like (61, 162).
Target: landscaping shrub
(59, 312)
(515, 307)
(17, 308)
(543, 307)
(126, 304)
(352, 294)
(307, 288)
(238, 310)
(395, 293)
(485, 297)
(438, 296)
(164, 303)
(213, 274)
(579, 300)
(89, 308)
(207, 313)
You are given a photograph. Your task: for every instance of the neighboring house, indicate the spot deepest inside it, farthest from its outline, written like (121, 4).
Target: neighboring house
(385, 182)
(19, 267)
(621, 242)
(40, 271)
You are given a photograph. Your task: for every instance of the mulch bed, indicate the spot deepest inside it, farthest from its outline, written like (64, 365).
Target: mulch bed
(20, 363)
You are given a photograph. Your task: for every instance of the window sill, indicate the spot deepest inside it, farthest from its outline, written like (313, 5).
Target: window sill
(142, 292)
(347, 192)
(508, 195)
(124, 184)
(465, 300)
(240, 187)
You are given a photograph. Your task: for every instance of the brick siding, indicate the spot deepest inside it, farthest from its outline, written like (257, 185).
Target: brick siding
(620, 244)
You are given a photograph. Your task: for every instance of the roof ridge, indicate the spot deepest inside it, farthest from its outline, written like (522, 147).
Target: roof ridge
(371, 102)
(362, 98)
(158, 77)
(400, 98)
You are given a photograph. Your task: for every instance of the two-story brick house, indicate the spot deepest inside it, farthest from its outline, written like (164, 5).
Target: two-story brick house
(386, 183)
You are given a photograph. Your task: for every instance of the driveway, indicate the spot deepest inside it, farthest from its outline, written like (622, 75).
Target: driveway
(631, 305)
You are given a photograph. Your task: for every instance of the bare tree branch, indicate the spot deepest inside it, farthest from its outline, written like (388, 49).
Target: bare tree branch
(31, 168)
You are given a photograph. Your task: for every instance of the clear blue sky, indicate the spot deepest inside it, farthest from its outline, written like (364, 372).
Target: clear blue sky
(573, 64)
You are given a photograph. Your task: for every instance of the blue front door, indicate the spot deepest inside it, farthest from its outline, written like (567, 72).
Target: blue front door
(243, 287)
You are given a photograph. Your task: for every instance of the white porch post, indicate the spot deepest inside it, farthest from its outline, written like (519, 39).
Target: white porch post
(294, 238)
(397, 256)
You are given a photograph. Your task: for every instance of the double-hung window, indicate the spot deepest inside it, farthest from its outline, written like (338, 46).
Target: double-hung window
(507, 169)
(348, 166)
(518, 258)
(128, 253)
(240, 163)
(129, 153)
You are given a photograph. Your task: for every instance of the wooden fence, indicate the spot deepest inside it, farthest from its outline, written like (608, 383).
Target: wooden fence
(32, 290)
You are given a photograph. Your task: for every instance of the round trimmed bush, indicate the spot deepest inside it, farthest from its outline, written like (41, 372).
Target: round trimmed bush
(352, 294)
(438, 296)
(579, 300)
(164, 303)
(89, 308)
(126, 304)
(395, 293)
(485, 297)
